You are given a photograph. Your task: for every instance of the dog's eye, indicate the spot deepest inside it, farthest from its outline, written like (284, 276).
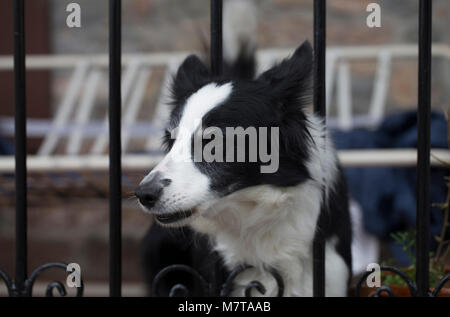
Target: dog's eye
(172, 133)
(168, 140)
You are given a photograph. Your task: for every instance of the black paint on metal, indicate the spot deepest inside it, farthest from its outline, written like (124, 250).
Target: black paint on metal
(216, 37)
(115, 169)
(319, 109)
(423, 149)
(20, 143)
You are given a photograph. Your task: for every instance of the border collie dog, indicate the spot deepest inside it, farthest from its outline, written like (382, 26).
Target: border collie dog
(255, 214)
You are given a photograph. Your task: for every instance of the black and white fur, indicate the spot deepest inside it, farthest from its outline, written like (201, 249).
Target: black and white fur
(263, 220)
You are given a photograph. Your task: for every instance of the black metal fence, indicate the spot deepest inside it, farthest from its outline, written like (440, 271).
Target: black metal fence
(22, 284)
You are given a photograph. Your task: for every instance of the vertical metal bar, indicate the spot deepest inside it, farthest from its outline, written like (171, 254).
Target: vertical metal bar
(115, 173)
(216, 37)
(320, 109)
(216, 70)
(319, 56)
(20, 139)
(423, 153)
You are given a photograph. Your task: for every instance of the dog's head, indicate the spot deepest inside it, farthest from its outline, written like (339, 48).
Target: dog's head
(225, 135)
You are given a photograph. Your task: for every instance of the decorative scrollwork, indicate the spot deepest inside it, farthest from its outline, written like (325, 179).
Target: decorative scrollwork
(27, 288)
(440, 285)
(179, 290)
(228, 285)
(410, 283)
(254, 284)
(384, 289)
(58, 285)
(8, 282)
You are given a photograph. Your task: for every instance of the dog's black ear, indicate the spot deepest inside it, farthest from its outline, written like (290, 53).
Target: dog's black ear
(191, 75)
(291, 79)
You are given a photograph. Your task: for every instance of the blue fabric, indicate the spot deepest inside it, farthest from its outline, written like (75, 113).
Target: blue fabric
(6, 148)
(388, 195)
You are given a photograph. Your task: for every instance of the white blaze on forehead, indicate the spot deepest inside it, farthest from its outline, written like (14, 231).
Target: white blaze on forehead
(201, 102)
(196, 107)
(177, 164)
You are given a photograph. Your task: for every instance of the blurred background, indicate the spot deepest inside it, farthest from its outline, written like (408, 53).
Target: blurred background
(372, 93)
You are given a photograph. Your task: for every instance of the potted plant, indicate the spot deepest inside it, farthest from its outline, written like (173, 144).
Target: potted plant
(438, 260)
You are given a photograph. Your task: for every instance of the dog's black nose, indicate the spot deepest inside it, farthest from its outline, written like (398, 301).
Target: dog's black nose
(149, 192)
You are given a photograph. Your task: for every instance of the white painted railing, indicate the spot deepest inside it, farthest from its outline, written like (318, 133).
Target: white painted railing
(73, 117)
